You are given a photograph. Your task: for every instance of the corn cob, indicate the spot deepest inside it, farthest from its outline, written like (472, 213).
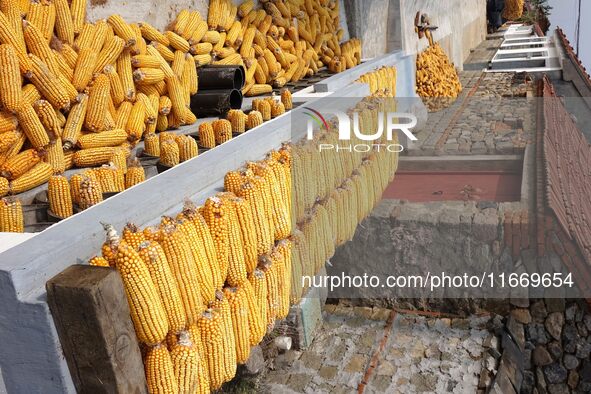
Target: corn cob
(160, 371)
(215, 214)
(257, 326)
(60, 199)
(145, 61)
(85, 38)
(211, 329)
(277, 109)
(238, 120)
(119, 160)
(135, 175)
(152, 34)
(164, 51)
(4, 186)
(11, 94)
(90, 193)
(150, 110)
(48, 117)
(105, 139)
(148, 76)
(255, 119)
(8, 139)
(185, 360)
(187, 148)
(11, 216)
(75, 121)
(126, 74)
(17, 165)
(122, 29)
(93, 157)
(98, 261)
(154, 258)
(98, 102)
(123, 115)
(13, 142)
(169, 153)
(211, 36)
(54, 155)
(135, 124)
(179, 256)
(164, 105)
(8, 122)
(64, 25)
(190, 76)
(176, 93)
(48, 84)
(192, 23)
(203, 48)
(83, 71)
(264, 107)
(229, 345)
(110, 178)
(178, 42)
(140, 46)
(222, 129)
(36, 176)
(203, 60)
(258, 89)
(31, 125)
(109, 54)
(12, 11)
(286, 99)
(239, 311)
(147, 311)
(152, 145)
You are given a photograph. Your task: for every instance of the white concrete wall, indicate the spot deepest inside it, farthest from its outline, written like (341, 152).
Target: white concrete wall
(462, 26)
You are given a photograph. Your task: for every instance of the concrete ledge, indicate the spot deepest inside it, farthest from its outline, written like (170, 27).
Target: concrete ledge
(507, 163)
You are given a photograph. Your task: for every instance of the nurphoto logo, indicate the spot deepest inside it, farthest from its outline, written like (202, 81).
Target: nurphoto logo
(388, 124)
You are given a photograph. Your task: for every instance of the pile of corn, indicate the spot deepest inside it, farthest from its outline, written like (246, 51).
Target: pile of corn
(74, 92)
(381, 81)
(513, 9)
(283, 41)
(437, 80)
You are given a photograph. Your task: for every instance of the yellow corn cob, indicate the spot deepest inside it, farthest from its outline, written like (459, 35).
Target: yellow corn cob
(69, 55)
(238, 120)
(116, 88)
(83, 72)
(140, 46)
(178, 42)
(90, 193)
(122, 29)
(147, 311)
(255, 119)
(135, 175)
(164, 105)
(93, 157)
(60, 199)
(98, 103)
(152, 34)
(286, 99)
(36, 176)
(180, 259)
(264, 107)
(9, 138)
(222, 129)
(202, 60)
(78, 11)
(55, 156)
(164, 51)
(109, 54)
(211, 329)
(215, 213)
(258, 89)
(178, 63)
(277, 109)
(176, 92)
(203, 48)
(135, 124)
(48, 84)
(43, 14)
(11, 216)
(214, 15)
(48, 117)
(145, 61)
(64, 26)
(98, 261)
(162, 123)
(11, 9)
(211, 36)
(199, 33)
(229, 344)
(148, 76)
(126, 74)
(152, 145)
(206, 135)
(85, 38)
(110, 178)
(239, 312)
(123, 115)
(160, 371)
(182, 20)
(134, 237)
(169, 153)
(31, 125)
(8, 122)
(190, 78)
(234, 34)
(113, 138)
(4, 187)
(187, 148)
(75, 121)
(17, 165)
(154, 258)
(11, 93)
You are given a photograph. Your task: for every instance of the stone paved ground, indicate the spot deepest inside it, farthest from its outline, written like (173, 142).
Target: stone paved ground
(420, 355)
(491, 115)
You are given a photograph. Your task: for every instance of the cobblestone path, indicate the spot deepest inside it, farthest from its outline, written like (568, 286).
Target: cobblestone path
(420, 355)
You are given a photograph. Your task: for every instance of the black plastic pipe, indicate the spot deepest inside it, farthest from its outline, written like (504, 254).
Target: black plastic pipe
(215, 102)
(221, 77)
